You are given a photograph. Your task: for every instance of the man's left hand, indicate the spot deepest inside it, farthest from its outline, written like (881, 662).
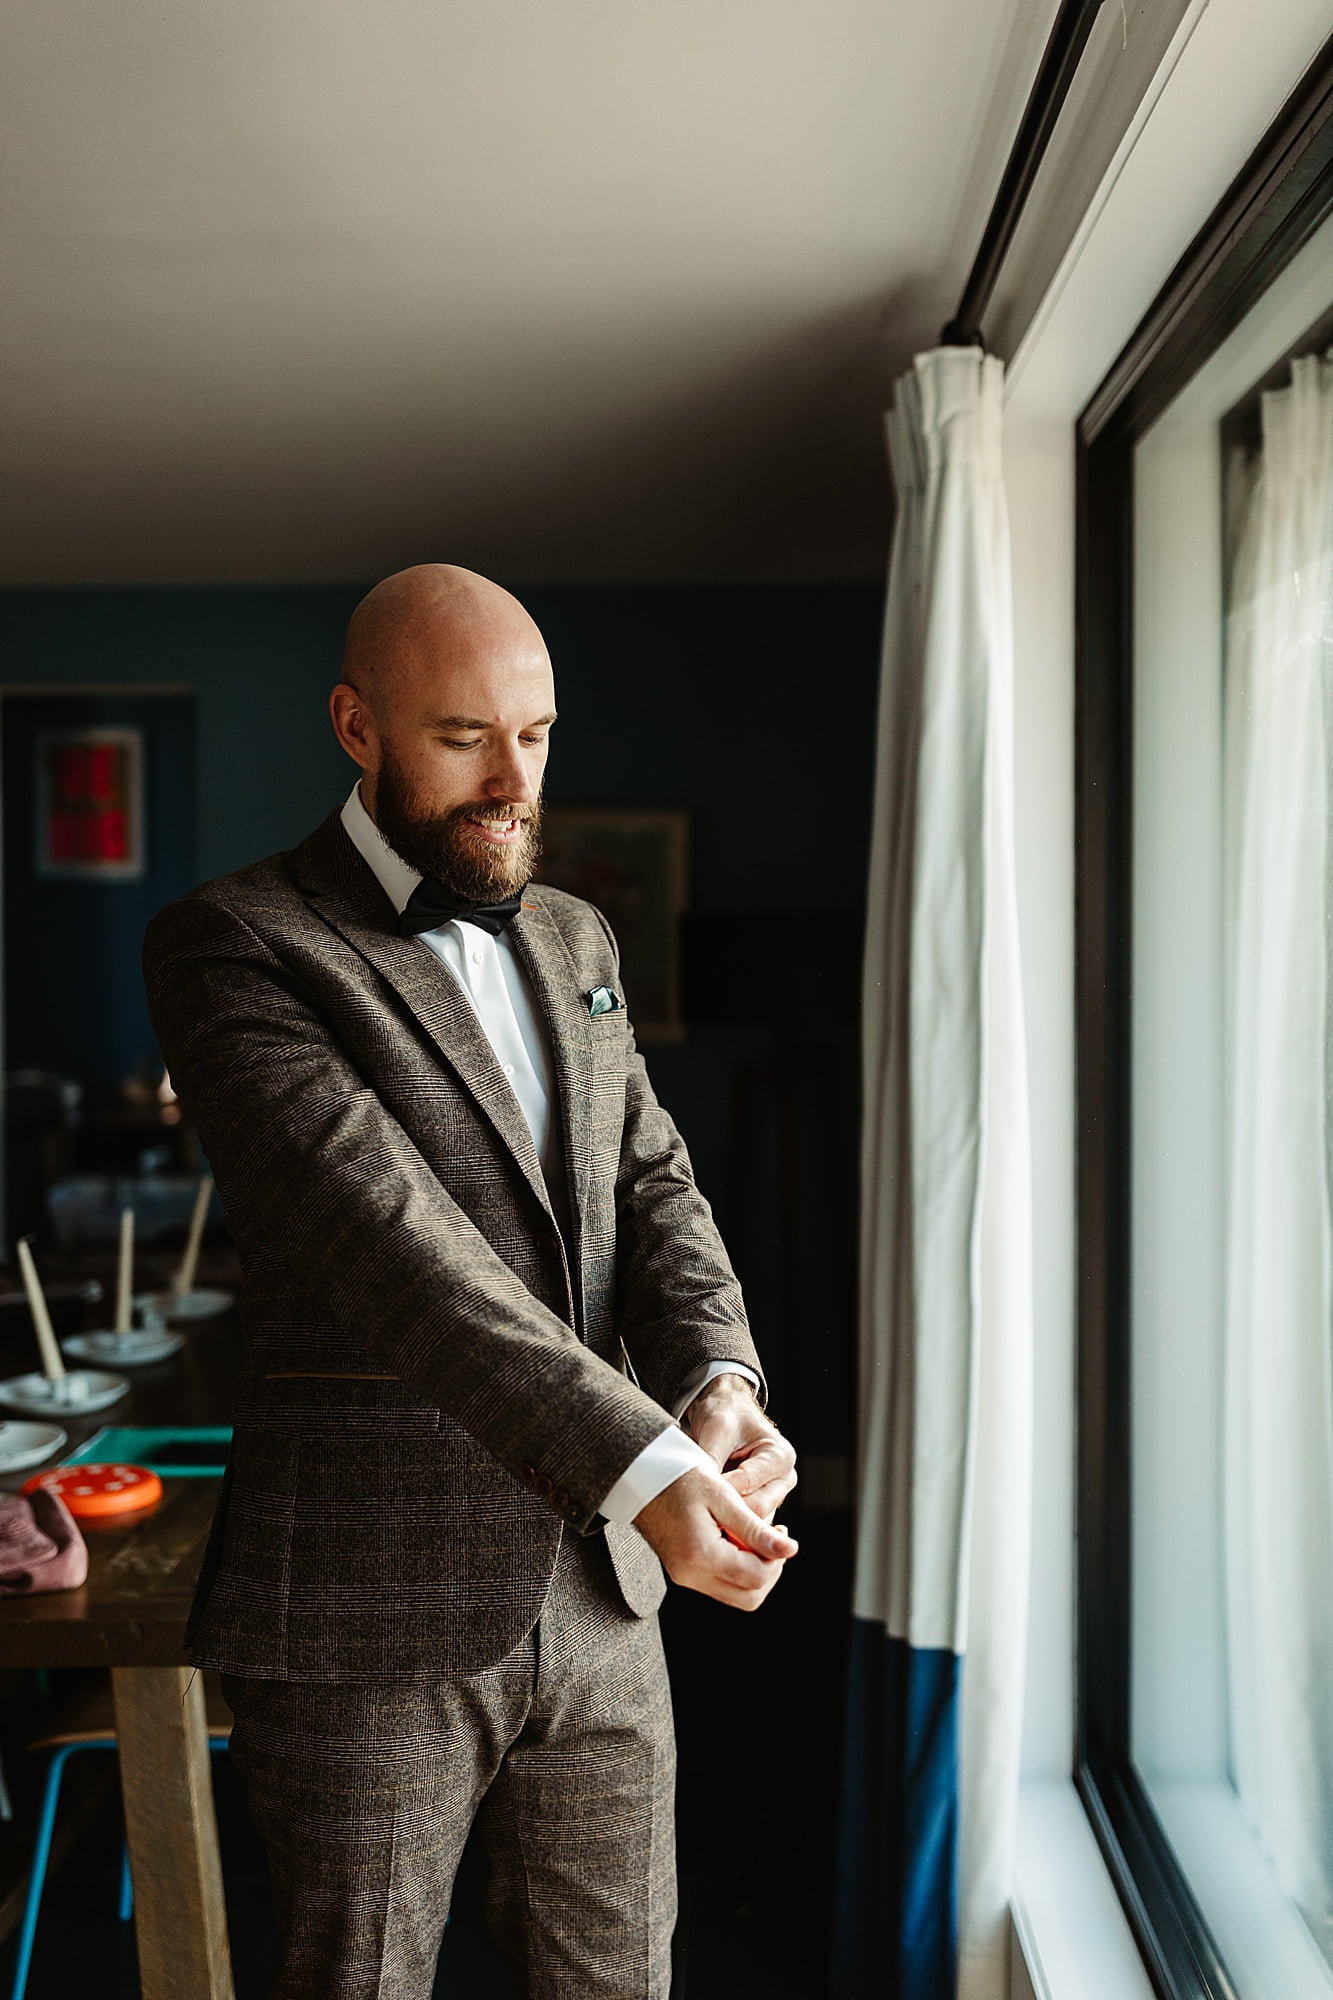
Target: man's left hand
(750, 1451)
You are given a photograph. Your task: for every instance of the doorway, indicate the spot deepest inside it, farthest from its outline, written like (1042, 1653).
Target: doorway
(98, 830)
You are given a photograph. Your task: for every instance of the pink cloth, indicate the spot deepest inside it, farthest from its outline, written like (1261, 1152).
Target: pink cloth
(40, 1545)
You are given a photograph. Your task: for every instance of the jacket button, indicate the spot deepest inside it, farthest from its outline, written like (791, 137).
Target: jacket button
(543, 1485)
(529, 1473)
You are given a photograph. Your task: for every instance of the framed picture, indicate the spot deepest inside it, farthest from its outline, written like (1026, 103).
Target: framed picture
(90, 808)
(634, 866)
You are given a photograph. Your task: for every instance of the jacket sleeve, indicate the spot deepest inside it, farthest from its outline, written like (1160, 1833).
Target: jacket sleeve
(678, 1301)
(309, 1160)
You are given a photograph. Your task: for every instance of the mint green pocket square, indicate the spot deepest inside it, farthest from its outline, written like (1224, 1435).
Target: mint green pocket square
(602, 1001)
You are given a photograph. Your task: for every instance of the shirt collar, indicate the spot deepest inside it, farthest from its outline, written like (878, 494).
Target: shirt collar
(389, 869)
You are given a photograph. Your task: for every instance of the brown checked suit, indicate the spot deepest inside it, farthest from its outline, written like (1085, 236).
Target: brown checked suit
(443, 1372)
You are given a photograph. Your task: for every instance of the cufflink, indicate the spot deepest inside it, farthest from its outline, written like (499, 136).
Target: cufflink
(603, 1001)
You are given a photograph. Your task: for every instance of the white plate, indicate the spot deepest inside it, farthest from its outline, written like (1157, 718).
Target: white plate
(137, 1349)
(80, 1392)
(199, 1304)
(22, 1445)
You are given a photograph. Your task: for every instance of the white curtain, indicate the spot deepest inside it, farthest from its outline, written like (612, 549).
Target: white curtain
(946, 1246)
(1279, 1420)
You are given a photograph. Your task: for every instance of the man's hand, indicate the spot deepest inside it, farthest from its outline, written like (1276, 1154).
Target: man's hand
(695, 1525)
(758, 1461)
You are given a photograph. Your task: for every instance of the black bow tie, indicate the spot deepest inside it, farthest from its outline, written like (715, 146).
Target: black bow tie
(431, 905)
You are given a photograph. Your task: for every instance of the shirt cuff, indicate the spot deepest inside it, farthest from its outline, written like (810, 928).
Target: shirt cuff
(657, 1466)
(703, 1376)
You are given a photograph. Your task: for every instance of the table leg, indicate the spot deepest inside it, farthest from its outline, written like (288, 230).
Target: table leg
(179, 1914)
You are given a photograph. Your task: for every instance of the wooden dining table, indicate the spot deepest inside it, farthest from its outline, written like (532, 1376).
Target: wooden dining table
(130, 1617)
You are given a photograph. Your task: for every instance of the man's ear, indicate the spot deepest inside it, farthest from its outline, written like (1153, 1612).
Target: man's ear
(354, 725)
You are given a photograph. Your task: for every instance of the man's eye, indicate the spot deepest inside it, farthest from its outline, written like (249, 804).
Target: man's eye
(458, 743)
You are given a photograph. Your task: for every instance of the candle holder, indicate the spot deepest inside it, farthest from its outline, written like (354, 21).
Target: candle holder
(57, 1389)
(141, 1347)
(185, 1300)
(202, 1302)
(77, 1393)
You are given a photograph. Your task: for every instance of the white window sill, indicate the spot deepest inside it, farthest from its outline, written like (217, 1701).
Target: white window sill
(1070, 1932)
(1071, 1940)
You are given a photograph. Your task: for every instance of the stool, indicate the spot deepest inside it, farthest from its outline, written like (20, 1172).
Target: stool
(88, 1722)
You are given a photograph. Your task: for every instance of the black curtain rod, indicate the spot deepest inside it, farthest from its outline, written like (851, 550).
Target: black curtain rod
(1064, 51)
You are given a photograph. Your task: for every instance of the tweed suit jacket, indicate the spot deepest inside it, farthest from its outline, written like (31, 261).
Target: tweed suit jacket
(435, 1383)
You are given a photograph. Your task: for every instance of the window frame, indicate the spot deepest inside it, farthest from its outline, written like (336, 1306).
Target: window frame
(1281, 196)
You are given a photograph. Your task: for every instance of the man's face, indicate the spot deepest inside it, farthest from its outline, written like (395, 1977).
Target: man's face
(456, 790)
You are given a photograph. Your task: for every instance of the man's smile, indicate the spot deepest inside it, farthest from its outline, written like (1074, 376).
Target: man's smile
(501, 831)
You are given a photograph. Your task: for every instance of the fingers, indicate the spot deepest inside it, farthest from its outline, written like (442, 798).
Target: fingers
(767, 1500)
(711, 1541)
(765, 1477)
(741, 1525)
(762, 1461)
(729, 1574)
(735, 1600)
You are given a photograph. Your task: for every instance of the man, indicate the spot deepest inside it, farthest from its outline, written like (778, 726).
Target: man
(479, 1284)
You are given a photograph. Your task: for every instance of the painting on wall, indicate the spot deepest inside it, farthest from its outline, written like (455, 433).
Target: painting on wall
(634, 866)
(90, 807)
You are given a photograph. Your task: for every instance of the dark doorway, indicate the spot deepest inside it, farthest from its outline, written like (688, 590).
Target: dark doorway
(98, 833)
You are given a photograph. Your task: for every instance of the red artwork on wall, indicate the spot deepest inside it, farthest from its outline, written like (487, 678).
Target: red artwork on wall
(90, 803)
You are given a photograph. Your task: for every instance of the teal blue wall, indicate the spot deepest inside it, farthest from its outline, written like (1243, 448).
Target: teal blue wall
(752, 705)
(261, 661)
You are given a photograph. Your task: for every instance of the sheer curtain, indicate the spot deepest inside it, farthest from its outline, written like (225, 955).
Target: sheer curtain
(1279, 1398)
(935, 1695)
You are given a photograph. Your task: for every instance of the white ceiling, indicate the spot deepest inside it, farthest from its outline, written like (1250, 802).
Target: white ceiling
(304, 290)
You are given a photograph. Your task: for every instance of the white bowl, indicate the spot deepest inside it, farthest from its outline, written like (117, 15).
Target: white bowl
(23, 1445)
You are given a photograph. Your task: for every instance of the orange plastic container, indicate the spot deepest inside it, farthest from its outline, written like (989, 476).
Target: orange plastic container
(100, 1490)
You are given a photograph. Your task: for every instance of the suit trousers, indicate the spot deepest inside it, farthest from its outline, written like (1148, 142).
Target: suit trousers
(364, 1793)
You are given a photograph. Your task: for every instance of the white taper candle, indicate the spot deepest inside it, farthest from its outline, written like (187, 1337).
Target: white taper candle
(190, 1261)
(52, 1364)
(125, 1272)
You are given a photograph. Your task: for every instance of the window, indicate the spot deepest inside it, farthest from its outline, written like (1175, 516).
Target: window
(1205, 870)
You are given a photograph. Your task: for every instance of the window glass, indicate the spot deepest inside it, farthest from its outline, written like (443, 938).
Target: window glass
(1232, 1120)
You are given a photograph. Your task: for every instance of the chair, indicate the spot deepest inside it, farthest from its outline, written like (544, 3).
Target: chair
(88, 1722)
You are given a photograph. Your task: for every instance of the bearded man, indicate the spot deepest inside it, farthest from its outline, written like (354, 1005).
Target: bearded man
(496, 1363)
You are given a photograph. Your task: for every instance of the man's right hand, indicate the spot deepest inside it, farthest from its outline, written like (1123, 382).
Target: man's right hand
(688, 1526)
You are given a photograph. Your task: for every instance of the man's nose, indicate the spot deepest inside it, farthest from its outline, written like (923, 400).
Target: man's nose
(511, 778)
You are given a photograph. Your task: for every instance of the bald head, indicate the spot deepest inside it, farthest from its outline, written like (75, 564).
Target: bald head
(427, 620)
(446, 703)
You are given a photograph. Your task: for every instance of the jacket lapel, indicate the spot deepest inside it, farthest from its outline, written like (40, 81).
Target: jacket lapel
(342, 890)
(547, 960)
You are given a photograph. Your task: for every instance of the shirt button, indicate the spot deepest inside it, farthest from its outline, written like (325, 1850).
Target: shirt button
(478, 957)
(509, 1069)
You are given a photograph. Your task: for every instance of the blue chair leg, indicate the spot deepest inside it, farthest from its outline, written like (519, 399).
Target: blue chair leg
(41, 1854)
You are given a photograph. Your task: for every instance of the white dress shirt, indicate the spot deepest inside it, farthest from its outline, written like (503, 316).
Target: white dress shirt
(491, 975)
